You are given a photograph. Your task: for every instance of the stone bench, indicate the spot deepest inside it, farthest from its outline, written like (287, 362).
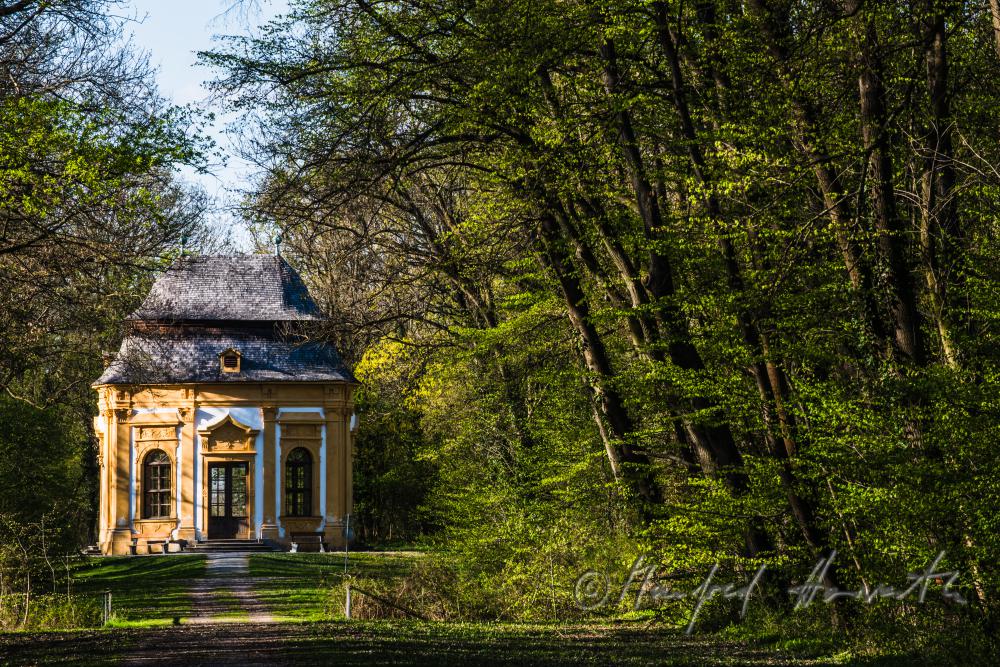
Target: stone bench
(303, 542)
(157, 546)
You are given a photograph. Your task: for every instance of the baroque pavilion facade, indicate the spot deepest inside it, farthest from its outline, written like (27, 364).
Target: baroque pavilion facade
(219, 419)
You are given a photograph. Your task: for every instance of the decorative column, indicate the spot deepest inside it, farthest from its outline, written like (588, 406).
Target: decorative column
(121, 534)
(105, 524)
(349, 464)
(269, 527)
(336, 479)
(185, 478)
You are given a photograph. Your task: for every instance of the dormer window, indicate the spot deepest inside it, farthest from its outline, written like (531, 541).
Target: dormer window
(229, 361)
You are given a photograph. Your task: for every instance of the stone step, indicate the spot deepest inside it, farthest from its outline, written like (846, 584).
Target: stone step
(232, 546)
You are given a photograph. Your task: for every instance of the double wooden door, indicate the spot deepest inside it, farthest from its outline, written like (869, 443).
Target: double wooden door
(228, 500)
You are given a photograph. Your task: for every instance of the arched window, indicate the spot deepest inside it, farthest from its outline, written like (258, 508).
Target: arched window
(156, 485)
(298, 483)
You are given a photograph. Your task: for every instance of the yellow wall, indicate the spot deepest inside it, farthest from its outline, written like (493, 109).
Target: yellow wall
(133, 420)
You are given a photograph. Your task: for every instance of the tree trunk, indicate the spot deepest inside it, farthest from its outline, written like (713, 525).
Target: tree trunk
(767, 385)
(634, 465)
(776, 33)
(995, 14)
(939, 229)
(714, 443)
(888, 226)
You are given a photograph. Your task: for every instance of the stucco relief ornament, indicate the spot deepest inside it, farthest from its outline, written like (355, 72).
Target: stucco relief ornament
(228, 444)
(157, 433)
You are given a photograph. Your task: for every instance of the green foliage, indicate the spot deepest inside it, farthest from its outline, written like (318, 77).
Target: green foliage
(41, 463)
(710, 283)
(392, 477)
(89, 208)
(52, 611)
(44, 509)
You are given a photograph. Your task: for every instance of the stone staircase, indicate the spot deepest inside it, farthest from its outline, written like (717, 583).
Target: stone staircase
(232, 546)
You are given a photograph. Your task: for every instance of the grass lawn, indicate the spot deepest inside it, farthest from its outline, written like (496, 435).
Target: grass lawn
(152, 590)
(369, 564)
(145, 590)
(308, 586)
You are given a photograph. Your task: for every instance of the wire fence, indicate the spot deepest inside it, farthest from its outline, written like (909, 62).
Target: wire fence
(352, 590)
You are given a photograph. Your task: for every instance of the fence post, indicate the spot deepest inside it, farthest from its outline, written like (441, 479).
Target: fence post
(107, 607)
(347, 602)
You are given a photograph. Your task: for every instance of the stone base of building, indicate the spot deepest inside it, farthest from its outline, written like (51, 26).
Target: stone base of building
(124, 542)
(121, 541)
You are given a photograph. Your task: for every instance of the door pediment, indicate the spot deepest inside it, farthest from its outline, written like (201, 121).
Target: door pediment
(228, 435)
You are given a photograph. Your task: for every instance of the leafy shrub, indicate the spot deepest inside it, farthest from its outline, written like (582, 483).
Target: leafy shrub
(51, 611)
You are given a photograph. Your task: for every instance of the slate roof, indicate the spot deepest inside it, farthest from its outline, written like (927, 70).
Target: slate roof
(202, 306)
(228, 288)
(178, 359)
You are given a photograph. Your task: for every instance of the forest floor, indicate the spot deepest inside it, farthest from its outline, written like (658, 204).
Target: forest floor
(390, 642)
(277, 609)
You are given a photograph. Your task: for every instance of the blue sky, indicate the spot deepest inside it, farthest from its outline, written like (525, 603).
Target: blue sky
(172, 32)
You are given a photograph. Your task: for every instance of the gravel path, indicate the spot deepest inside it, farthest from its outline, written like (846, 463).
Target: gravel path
(226, 593)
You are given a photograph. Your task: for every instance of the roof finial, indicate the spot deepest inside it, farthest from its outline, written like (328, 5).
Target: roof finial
(277, 245)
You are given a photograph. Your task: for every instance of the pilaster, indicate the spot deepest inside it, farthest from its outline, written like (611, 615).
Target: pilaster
(336, 479)
(269, 526)
(121, 533)
(106, 523)
(186, 475)
(348, 461)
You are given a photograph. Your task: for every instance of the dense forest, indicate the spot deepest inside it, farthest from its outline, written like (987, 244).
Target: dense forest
(712, 282)
(90, 205)
(706, 283)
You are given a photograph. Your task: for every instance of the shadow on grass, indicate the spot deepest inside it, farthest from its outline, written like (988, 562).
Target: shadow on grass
(143, 588)
(307, 586)
(405, 643)
(390, 564)
(293, 600)
(121, 571)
